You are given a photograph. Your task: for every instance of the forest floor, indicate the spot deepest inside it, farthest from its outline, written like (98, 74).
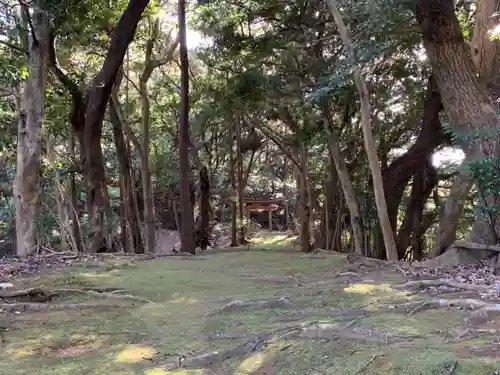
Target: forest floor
(264, 309)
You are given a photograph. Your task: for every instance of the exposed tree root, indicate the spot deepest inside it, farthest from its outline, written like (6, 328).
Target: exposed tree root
(466, 303)
(290, 317)
(328, 331)
(307, 330)
(421, 284)
(32, 293)
(368, 363)
(273, 303)
(102, 294)
(51, 306)
(41, 295)
(207, 359)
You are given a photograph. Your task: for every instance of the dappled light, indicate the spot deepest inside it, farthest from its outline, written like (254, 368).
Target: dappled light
(134, 353)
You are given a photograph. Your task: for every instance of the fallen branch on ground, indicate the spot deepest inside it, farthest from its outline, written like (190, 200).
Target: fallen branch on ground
(421, 284)
(328, 331)
(287, 317)
(273, 303)
(466, 303)
(102, 294)
(32, 292)
(210, 358)
(50, 306)
(367, 363)
(39, 292)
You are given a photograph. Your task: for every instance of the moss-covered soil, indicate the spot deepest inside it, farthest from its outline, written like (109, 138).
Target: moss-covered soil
(304, 332)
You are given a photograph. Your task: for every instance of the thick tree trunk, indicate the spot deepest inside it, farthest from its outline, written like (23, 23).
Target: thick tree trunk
(29, 136)
(347, 185)
(187, 221)
(465, 96)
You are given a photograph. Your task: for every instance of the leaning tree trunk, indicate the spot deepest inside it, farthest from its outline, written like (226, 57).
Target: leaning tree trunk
(186, 207)
(378, 187)
(347, 185)
(466, 97)
(98, 95)
(29, 135)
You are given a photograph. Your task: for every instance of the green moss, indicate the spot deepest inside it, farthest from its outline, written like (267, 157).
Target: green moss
(185, 293)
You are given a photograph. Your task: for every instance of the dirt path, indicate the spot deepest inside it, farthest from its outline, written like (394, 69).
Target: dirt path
(251, 312)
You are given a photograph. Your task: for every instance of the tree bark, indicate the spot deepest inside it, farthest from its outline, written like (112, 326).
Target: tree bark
(423, 184)
(241, 185)
(74, 206)
(466, 97)
(304, 202)
(385, 224)
(187, 221)
(128, 203)
(203, 230)
(346, 183)
(29, 136)
(98, 95)
(234, 208)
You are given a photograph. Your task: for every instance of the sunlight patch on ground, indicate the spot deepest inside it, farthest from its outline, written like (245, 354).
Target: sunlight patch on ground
(134, 353)
(385, 289)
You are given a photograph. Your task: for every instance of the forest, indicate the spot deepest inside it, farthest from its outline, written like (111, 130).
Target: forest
(359, 136)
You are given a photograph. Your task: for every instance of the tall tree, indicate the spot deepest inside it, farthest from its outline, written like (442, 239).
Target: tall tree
(385, 224)
(466, 97)
(29, 135)
(187, 221)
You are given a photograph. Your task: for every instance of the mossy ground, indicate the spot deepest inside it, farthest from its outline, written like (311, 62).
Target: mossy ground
(139, 339)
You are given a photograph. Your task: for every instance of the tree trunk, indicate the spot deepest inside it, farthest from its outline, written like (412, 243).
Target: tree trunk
(27, 187)
(147, 184)
(465, 96)
(74, 206)
(448, 221)
(98, 95)
(346, 183)
(403, 168)
(234, 208)
(305, 225)
(241, 186)
(187, 221)
(128, 203)
(378, 187)
(203, 240)
(423, 184)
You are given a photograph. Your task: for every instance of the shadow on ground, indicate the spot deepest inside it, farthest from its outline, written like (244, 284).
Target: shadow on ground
(235, 313)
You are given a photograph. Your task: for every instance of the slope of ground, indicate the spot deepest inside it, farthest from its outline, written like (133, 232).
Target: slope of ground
(240, 312)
